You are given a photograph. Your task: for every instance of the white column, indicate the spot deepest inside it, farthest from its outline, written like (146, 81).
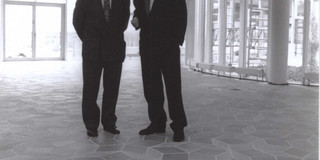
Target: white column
(190, 33)
(319, 49)
(306, 29)
(222, 31)
(1, 32)
(278, 38)
(208, 31)
(243, 33)
(199, 31)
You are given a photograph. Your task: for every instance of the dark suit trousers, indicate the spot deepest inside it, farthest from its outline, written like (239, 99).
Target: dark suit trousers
(91, 81)
(163, 62)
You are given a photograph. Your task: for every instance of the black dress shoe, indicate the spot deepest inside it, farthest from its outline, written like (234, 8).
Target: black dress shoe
(92, 133)
(112, 130)
(178, 136)
(149, 130)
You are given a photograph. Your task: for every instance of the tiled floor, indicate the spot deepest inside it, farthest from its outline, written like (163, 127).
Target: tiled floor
(229, 119)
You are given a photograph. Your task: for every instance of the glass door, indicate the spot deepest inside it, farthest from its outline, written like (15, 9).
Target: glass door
(18, 31)
(34, 31)
(48, 32)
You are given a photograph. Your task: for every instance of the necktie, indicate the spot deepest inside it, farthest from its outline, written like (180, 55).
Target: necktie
(106, 9)
(147, 5)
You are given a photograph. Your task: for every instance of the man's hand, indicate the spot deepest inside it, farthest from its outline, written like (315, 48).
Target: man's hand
(135, 22)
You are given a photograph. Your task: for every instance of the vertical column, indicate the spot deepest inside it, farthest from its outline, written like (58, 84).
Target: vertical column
(319, 51)
(243, 33)
(269, 39)
(190, 31)
(70, 31)
(64, 38)
(292, 21)
(319, 74)
(199, 31)
(1, 31)
(232, 31)
(222, 31)
(306, 29)
(208, 31)
(278, 38)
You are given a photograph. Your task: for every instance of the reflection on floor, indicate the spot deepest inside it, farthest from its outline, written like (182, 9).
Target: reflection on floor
(229, 119)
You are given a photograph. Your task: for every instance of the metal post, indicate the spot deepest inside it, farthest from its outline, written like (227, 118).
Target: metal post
(250, 33)
(233, 31)
(199, 31)
(208, 31)
(223, 29)
(306, 29)
(190, 32)
(1, 30)
(243, 33)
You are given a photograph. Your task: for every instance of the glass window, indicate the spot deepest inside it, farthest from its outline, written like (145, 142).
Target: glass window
(258, 34)
(40, 36)
(295, 56)
(233, 24)
(215, 30)
(313, 56)
(52, 1)
(43, 1)
(22, 0)
(18, 47)
(48, 28)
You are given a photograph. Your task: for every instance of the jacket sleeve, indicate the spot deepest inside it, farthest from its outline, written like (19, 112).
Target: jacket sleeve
(79, 14)
(126, 14)
(180, 21)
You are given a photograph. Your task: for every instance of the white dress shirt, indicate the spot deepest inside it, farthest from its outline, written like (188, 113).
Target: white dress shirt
(110, 3)
(151, 4)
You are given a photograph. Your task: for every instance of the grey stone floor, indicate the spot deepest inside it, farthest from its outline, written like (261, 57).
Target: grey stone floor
(229, 119)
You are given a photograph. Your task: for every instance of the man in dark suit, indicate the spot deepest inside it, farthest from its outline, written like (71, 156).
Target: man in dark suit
(100, 25)
(163, 26)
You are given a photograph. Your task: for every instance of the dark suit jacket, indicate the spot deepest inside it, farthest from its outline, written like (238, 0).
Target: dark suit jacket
(101, 40)
(165, 24)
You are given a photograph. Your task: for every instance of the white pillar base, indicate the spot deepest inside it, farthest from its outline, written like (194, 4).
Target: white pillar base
(279, 39)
